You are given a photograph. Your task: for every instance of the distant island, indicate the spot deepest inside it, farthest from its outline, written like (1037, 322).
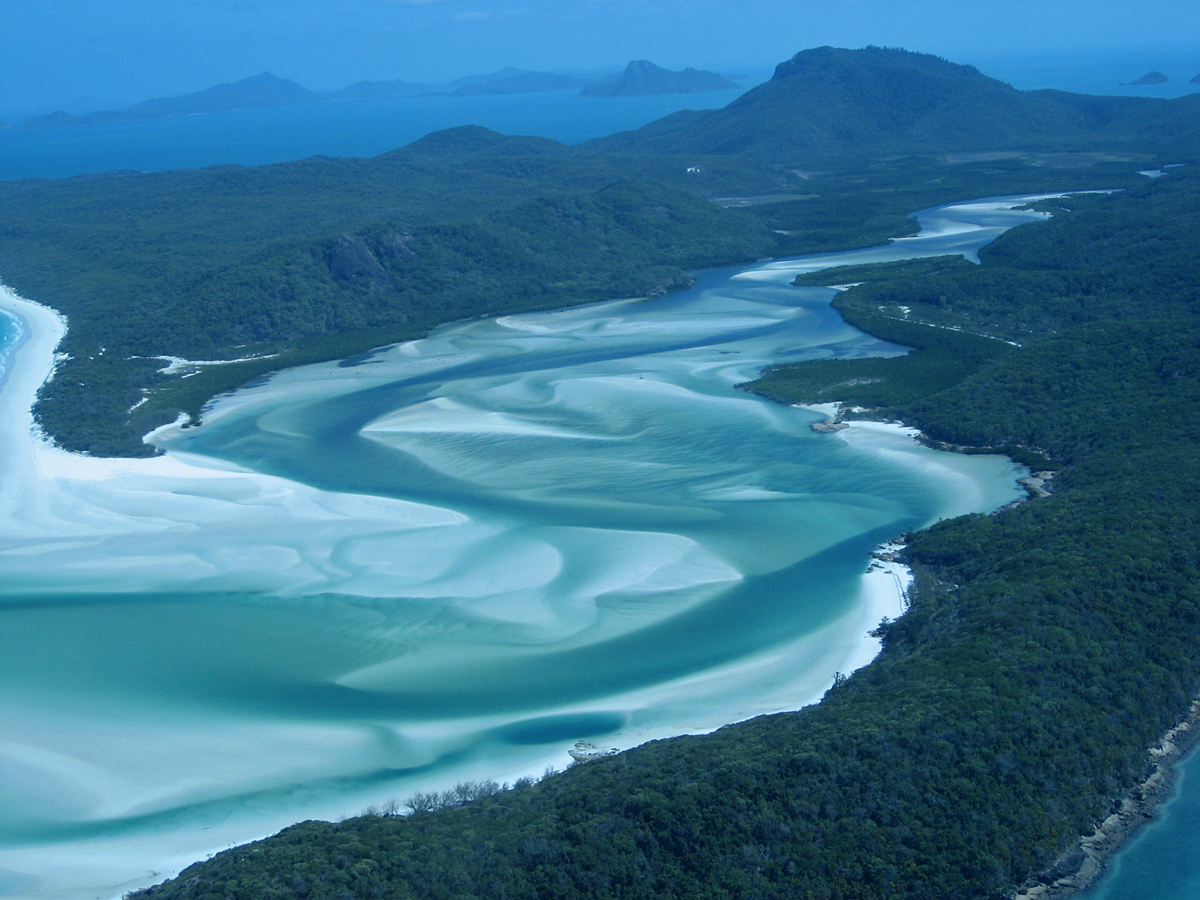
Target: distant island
(267, 90)
(1151, 78)
(1195, 79)
(371, 90)
(642, 77)
(516, 81)
(256, 92)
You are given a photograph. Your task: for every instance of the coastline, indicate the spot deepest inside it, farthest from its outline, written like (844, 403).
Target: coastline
(55, 497)
(1083, 864)
(882, 587)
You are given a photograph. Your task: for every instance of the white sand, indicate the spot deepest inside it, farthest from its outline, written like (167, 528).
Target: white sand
(51, 498)
(103, 523)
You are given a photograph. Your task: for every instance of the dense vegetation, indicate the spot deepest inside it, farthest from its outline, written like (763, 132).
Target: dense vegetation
(1046, 648)
(324, 258)
(829, 101)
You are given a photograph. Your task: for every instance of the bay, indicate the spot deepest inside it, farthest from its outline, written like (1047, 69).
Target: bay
(444, 560)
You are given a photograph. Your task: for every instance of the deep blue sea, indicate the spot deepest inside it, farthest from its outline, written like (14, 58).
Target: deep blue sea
(1109, 73)
(331, 128)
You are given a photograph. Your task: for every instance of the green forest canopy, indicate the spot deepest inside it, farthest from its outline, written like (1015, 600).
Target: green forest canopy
(321, 259)
(1047, 645)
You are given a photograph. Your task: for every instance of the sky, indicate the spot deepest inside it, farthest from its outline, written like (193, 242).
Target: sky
(117, 52)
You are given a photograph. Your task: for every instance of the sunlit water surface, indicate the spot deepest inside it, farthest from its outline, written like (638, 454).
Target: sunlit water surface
(509, 536)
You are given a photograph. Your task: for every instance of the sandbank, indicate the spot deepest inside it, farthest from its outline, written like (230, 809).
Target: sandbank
(275, 534)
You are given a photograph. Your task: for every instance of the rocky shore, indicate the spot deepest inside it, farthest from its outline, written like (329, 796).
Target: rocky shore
(1085, 861)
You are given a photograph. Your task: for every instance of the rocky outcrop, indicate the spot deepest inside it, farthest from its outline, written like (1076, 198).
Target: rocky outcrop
(585, 751)
(1085, 861)
(396, 247)
(351, 260)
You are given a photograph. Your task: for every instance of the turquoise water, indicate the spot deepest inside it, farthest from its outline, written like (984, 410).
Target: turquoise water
(1164, 860)
(448, 559)
(10, 333)
(330, 128)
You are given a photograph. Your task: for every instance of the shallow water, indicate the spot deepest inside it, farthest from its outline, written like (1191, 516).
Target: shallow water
(448, 559)
(10, 333)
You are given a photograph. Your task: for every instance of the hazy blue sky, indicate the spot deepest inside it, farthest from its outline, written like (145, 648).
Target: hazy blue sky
(52, 51)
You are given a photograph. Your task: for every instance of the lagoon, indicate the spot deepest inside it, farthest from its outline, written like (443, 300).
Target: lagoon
(448, 559)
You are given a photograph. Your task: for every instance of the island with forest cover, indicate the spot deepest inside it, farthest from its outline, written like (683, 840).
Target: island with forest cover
(1048, 647)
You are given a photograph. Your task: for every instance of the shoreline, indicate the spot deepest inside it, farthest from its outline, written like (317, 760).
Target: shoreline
(882, 588)
(1081, 866)
(1084, 863)
(53, 494)
(1038, 484)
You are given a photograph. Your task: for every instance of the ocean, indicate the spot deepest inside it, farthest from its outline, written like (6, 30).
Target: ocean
(369, 127)
(341, 128)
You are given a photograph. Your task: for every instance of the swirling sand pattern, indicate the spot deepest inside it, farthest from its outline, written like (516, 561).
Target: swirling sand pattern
(450, 559)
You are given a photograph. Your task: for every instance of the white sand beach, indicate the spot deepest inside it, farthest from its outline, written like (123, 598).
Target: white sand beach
(208, 620)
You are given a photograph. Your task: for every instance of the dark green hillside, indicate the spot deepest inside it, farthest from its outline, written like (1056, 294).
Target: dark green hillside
(228, 262)
(334, 296)
(1046, 649)
(829, 101)
(324, 258)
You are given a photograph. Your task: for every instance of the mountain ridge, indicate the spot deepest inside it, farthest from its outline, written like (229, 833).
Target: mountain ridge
(828, 101)
(642, 77)
(256, 92)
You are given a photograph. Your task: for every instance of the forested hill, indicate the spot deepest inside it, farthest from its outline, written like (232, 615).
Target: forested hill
(1048, 646)
(831, 101)
(324, 258)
